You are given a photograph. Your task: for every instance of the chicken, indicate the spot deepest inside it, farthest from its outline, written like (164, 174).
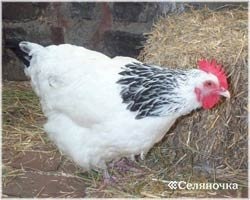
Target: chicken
(101, 109)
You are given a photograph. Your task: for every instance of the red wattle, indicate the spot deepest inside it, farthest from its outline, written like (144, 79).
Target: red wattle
(210, 101)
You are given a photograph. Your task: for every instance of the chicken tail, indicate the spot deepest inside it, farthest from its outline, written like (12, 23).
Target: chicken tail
(23, 49)
(28, 48)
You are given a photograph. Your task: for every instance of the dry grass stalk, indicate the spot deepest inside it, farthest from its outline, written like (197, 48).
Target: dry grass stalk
(217, 145)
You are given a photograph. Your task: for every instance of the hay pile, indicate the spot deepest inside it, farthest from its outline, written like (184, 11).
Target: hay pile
(204, 146)
(210, 143)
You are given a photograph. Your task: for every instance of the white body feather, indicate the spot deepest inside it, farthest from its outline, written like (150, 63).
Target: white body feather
(81, 100)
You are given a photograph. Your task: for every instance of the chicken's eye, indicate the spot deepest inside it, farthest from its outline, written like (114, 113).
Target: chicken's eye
(208, 83)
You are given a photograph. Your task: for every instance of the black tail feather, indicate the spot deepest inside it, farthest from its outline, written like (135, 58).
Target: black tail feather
(14, 46)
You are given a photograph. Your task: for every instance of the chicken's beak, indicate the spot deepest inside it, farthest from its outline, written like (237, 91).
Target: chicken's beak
(225, 93)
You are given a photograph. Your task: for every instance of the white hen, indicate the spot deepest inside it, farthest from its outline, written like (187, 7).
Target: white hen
(100, 109)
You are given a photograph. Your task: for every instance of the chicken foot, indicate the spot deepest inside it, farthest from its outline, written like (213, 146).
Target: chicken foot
(125, 165)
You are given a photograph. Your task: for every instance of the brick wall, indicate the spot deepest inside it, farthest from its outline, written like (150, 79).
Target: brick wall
(110, 27)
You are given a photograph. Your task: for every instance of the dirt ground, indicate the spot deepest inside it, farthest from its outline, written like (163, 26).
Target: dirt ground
(33, 166)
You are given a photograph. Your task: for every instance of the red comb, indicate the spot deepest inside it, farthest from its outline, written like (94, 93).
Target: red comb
(215, 69)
